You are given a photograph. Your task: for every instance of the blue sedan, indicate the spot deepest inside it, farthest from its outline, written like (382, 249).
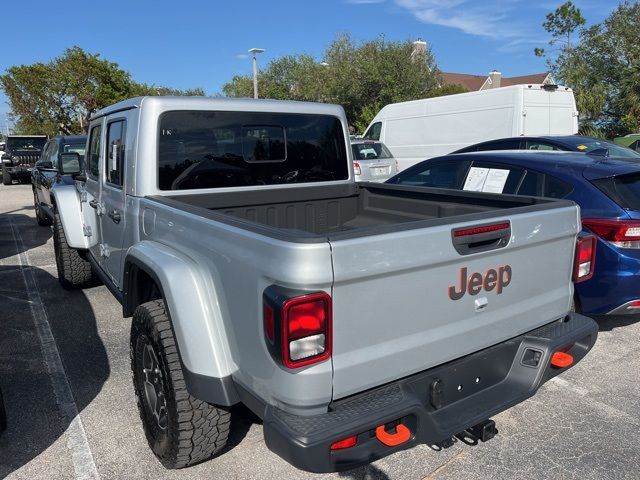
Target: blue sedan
(606, 188)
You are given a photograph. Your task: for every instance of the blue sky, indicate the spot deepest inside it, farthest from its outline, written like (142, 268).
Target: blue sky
(204, 43)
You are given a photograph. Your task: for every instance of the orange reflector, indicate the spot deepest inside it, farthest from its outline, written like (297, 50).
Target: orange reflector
(393, 439)
(561, 360)
(345, 443)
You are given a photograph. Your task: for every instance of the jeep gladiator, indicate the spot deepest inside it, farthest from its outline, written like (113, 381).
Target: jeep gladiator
(356, 320)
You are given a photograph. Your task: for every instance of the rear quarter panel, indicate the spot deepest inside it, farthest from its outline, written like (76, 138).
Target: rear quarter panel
(235, 266)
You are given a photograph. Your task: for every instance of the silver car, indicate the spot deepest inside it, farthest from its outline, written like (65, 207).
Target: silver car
(372, 161)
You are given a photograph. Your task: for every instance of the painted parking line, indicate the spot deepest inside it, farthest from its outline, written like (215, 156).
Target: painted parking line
(77, 443)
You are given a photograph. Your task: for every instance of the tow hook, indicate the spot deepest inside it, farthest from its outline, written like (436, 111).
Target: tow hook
(484, 431)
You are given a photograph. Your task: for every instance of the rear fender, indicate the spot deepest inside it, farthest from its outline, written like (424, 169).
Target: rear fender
(70, 209)
(192, 302)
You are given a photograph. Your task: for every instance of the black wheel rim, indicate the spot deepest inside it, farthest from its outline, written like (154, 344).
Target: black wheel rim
(154, 391)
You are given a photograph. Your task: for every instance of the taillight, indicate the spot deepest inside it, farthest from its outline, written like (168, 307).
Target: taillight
(356, 168)
(297, 326)
(622, 233)
(348, 442)
(585, 259)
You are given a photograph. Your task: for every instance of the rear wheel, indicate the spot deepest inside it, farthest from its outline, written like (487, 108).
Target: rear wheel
(74, 270)
(181, 430)
(6, 177)
(41, 217)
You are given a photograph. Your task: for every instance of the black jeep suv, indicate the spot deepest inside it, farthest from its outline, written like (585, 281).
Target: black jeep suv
(21, 153)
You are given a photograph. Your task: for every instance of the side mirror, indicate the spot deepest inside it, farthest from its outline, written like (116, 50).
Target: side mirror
(69, 163)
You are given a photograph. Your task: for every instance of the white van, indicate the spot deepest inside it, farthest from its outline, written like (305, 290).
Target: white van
(421, 129)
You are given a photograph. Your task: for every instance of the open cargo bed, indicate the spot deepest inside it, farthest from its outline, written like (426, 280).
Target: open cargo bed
(344, 211)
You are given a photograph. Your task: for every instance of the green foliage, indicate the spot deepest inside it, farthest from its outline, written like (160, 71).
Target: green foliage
(360, 77)
(563, 22)
(60, 96)
(604, 71)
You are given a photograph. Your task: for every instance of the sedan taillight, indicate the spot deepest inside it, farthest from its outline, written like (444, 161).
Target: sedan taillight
(622, 233)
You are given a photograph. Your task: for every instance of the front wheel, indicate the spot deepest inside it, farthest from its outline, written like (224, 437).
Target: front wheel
(74, 270)
(6, 177)
(181, 430)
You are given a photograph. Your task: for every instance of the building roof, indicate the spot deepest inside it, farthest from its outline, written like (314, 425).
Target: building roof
(470, 82)
(475, 82)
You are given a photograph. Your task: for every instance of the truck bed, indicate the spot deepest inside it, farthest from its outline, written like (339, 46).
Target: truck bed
(338, 212)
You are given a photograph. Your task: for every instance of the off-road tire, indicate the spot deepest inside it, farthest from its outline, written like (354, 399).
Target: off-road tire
(195, 430)
(6, 177)
(74, 269)
(41, 217)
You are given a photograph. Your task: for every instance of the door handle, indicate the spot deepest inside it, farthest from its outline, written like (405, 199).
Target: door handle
(115, 216)
(93, 203)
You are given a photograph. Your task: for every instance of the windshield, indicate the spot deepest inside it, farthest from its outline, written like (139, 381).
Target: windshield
(618, 151)
(370, 151)
(26, 143)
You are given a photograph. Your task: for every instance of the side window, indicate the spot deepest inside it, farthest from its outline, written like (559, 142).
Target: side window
(93, 156)
(555, 188)
(115, 152)
(532, 184)
(493, 178)
(502, 145)
(538, 145)
(45, 155)
(374, 131)
(441, 175)
(53, 154)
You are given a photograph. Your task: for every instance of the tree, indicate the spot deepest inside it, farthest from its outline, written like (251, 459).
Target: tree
(60, 96)
(604, 71)
(360, 77)
(560, 24)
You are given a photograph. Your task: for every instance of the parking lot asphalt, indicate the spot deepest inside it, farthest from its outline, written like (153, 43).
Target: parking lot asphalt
(64, 372)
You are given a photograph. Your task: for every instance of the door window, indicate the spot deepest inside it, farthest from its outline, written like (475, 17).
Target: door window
(374, 131)
(538, 145)
(440, 175)
(501, 145)
(94, 152)
(493, 178)
(539, 185)
(44, 161)
(115, 152)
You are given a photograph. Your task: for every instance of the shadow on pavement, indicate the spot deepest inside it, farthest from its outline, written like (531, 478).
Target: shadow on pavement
(367, 472)
(34, 419)
(31, 237)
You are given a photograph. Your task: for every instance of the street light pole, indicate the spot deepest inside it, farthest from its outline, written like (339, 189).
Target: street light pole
(255, 51)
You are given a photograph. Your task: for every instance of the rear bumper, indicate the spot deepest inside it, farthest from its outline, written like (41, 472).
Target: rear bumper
(435, 404)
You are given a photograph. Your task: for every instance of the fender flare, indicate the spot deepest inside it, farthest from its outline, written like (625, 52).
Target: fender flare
(70, 211)
(195, 317)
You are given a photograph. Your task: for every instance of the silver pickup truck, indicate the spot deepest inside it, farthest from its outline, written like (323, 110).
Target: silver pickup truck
(355, 319)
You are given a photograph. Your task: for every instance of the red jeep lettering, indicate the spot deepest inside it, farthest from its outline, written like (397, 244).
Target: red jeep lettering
(473, 284)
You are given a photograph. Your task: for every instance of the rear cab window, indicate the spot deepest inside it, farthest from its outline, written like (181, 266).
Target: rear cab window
(211, 149)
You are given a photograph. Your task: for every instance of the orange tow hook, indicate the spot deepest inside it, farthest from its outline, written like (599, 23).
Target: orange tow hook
(402, 435)
(561, 360)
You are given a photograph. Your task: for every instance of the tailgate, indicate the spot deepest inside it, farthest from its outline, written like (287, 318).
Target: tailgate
(396, 309)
